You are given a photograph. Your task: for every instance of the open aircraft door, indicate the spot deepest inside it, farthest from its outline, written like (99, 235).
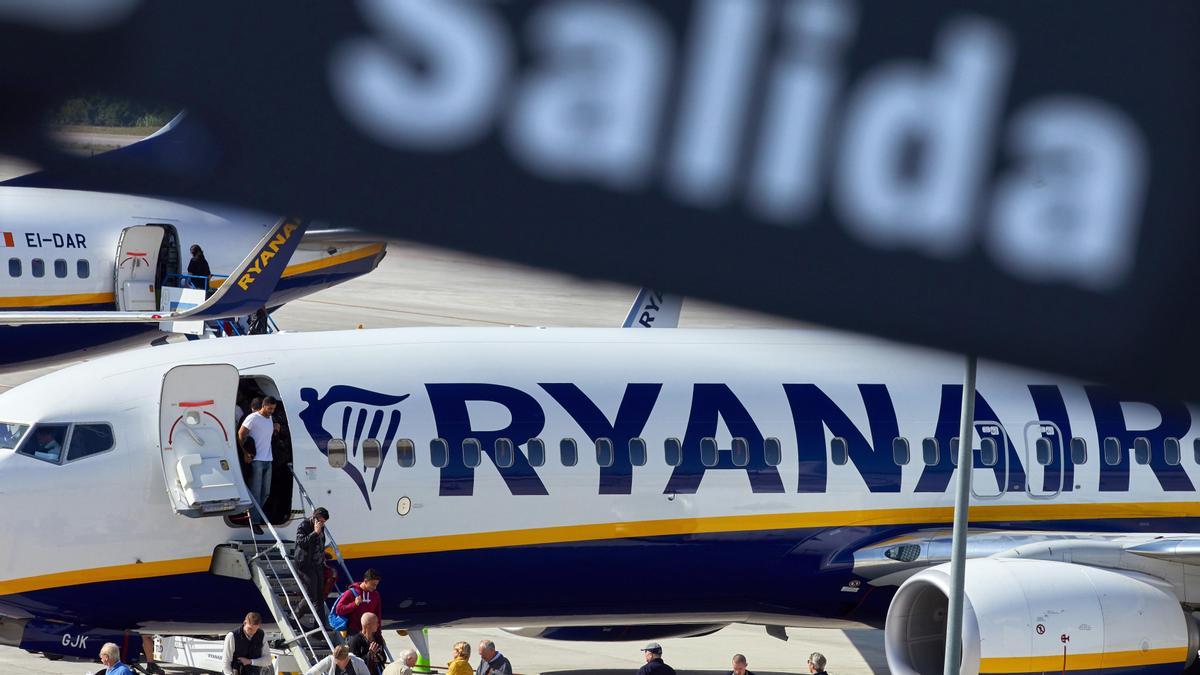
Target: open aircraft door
(1044, 459)
(199, 441)
(136, 275)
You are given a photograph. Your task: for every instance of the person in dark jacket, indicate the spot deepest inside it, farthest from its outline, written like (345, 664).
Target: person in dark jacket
(198, 267)
(654, 663)
(368, 644)
(309, 557)
(492, 662)
(739, 666)
(816, 663)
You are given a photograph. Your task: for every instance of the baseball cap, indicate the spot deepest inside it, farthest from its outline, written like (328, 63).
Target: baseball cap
(652, 647)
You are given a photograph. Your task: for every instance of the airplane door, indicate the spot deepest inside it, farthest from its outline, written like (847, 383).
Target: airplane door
(1044, 459)
(199, 441)
(990, 470)
(137, 268)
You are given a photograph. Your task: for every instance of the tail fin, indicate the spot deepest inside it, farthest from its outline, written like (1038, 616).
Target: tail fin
(246, 290)
(654, 309)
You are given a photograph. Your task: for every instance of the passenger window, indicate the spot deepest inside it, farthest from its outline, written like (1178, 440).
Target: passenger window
(1044, 451)
(335, 449)
(1171, 452)
(839, 451)
(89, 439)
(604, 452)
(372, 453)
(505, 455)
(1141, 450)
(773, 451)
(569, 452)
(989, 452)
(954, 451)
(60, 268)
(900, 451)
(472, 451)
(1112, 451)
(535, 452)
(83, 269)
(708, 451)
(439, 453)
(637, 452)
(406, 453)
(673, 450)
(45, 443)
(929, 451)
(1196, 450)
(740, 452)
(1078, 450)
(14, 267)
(38, 267)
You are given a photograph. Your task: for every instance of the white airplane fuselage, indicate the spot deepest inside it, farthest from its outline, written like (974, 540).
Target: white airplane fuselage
(734, 534)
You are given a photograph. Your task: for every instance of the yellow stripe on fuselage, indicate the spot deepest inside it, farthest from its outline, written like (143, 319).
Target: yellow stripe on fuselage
(1041, 664)
(57, 300)
(333, 260)
(649, 528)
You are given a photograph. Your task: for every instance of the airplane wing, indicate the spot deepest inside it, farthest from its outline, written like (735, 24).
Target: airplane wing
(245, 291)
(654, 309)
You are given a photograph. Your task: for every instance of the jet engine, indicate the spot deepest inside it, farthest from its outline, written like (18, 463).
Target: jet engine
(1033, 616)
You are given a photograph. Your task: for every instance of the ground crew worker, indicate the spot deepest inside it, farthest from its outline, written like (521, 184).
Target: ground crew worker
(654, 663)
(244, 653)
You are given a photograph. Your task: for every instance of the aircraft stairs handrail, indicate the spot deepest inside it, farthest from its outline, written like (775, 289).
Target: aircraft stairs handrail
(337, 551)
(272, 587)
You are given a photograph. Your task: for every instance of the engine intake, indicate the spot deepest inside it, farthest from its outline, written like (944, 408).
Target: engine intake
(1034, 616)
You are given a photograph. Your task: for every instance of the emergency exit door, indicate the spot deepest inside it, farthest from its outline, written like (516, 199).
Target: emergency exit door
(136, 275)
(198, 441)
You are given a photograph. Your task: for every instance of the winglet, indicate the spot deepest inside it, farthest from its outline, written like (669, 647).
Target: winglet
(654, 309)
(246, 290)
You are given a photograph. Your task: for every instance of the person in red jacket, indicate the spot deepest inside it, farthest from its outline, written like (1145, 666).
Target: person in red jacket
(360, 598)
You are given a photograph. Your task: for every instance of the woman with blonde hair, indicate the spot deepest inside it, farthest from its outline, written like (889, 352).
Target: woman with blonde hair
(458, 661)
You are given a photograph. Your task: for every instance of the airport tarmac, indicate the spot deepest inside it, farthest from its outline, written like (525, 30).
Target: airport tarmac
(421, 286)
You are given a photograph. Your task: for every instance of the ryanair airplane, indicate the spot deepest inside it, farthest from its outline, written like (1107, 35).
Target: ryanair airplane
(70, 256)
(769, 477)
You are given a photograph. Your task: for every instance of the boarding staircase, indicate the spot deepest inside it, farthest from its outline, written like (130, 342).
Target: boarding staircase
(268, 560)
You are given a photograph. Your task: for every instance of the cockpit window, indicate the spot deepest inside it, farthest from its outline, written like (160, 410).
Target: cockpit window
(10, 434)
(45, 442)
(89, 439)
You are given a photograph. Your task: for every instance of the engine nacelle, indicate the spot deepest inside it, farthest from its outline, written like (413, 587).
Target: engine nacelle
(1035, 616)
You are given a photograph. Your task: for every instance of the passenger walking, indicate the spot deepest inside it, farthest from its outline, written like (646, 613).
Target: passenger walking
(459, 665)
(403, 665)
(492, 662)
(309, 556)
(368, 644)
(816, 663)
(739, 666)
(198, 267)
(360, 598)
(340, 662)
(244, 653)
(654, 662)
(259, 426)
(110, 656)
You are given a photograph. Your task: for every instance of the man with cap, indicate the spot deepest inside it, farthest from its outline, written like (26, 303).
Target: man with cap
(654, 663)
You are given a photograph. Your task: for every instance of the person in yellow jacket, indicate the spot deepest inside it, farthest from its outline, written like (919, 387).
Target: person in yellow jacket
(458, 664)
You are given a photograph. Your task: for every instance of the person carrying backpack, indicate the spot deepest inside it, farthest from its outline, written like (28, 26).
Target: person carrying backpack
(360, 598)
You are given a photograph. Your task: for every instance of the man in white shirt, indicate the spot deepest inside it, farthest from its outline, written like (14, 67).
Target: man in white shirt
(244, 653)
(260, 426)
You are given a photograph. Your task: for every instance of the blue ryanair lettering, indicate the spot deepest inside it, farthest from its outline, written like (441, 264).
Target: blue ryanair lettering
(1111, 423)
(453, 422)
(710, 401)
(813, 410)
(313, 416)
(935, 477)
(636, 406)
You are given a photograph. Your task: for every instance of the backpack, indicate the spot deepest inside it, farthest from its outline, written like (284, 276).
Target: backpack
(337, 621)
